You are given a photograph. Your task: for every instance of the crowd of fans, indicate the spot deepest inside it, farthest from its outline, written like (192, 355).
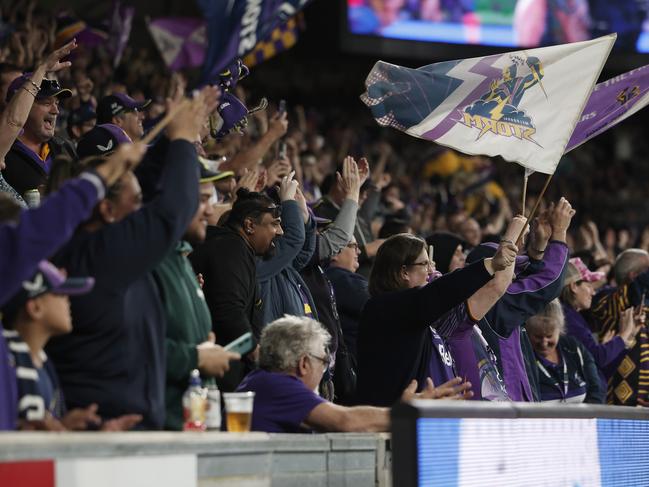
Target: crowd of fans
(369, 270)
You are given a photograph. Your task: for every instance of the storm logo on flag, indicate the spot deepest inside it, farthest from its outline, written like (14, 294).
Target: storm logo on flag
(497, 111)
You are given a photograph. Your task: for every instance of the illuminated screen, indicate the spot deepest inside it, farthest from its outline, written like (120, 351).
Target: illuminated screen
(507, 23)
(525, 451)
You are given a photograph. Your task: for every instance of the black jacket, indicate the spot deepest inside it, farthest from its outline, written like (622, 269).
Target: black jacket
(394, 343)
(351, 295)
(23, 172)
(231, 290)
(115, 355)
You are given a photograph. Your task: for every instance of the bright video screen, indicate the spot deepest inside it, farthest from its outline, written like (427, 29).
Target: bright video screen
(506, 23)
(498, 452)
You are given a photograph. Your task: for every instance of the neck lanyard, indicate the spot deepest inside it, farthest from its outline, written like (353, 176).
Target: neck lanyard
(556, 384)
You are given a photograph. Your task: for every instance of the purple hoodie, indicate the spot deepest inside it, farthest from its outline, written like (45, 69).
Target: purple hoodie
(40, 232)
(536, 284)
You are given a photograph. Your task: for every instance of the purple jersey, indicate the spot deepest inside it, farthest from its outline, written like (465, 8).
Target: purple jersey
(282, 401)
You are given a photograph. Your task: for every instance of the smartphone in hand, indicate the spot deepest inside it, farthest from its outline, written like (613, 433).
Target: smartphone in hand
(242, 345)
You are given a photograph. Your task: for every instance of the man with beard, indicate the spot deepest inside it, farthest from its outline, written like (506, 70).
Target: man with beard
(30, 157)
(189, 341)
(227, 263)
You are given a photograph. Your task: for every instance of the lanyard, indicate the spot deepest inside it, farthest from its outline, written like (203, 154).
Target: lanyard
(564, 393)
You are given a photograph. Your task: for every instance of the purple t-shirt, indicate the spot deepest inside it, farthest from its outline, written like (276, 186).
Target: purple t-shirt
(282, 402)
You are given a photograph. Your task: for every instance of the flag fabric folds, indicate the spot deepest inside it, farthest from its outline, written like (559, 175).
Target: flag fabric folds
(520, 105)
(280, 39)
(180, 40)
(235, 27)
(120, 30)
(611, 102)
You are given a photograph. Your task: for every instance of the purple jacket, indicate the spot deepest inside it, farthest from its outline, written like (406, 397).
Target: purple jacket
(607, 355)
(38, 235)
(536, 284)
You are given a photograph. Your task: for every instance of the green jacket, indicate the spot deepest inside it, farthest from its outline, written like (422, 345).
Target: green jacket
(188, 324)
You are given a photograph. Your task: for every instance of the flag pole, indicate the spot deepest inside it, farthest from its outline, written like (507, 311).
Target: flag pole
(525, 178)
(536, 206)
(148, 138)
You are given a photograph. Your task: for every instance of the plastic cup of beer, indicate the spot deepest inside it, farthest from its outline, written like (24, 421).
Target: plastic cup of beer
(238, 410)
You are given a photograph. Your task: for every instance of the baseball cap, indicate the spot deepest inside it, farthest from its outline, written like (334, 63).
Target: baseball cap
(577, 271)
(47, 279)
(209, 171)
(117, 103)
(101, 140)
(49, 87)
(83, 114)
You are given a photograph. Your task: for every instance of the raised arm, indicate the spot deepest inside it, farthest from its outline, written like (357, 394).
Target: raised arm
(14, 116)
(335, 237)
(489, 294)
(43, 230)
(288, 246)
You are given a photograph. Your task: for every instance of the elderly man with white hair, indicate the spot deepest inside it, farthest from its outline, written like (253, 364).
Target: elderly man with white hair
(292, 358)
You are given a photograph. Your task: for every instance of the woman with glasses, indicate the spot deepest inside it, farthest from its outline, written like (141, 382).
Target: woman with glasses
(577, 296)
(396, 343)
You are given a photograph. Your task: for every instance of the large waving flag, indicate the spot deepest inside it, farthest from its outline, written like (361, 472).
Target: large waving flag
(182, 41)
(611, 102)
(521, 105)
(236, 26)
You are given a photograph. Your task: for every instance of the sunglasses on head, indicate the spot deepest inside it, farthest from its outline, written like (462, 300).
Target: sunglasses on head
(50, 85)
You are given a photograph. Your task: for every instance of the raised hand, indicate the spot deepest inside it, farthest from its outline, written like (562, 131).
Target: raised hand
(560, 217)
(52, 63)
(505, 256)
(288, 187)
(125, 158)
(350, 180)
(277, 170)
(191, 118)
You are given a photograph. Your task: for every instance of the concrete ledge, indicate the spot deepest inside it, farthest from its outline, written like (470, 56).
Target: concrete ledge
(232, 459)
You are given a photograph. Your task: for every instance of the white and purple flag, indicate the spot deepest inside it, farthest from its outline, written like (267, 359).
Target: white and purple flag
(611, 102)
(520, 105)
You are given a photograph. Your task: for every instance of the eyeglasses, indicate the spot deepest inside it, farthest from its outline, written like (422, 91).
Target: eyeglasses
(428, 263)
(324, 360)
(352, 245)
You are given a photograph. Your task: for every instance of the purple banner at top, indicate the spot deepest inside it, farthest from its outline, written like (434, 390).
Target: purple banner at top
(611, 102)
(235, 27)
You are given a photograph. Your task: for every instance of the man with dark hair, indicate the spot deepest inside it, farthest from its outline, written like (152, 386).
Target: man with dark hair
(123, 111)
(29, 159)
(227, 263)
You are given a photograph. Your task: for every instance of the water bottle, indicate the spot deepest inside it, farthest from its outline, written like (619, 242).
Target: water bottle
(213, 415)
(194, 403)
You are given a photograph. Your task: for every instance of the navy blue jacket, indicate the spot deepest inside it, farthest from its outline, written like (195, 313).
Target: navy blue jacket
(115, 354)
